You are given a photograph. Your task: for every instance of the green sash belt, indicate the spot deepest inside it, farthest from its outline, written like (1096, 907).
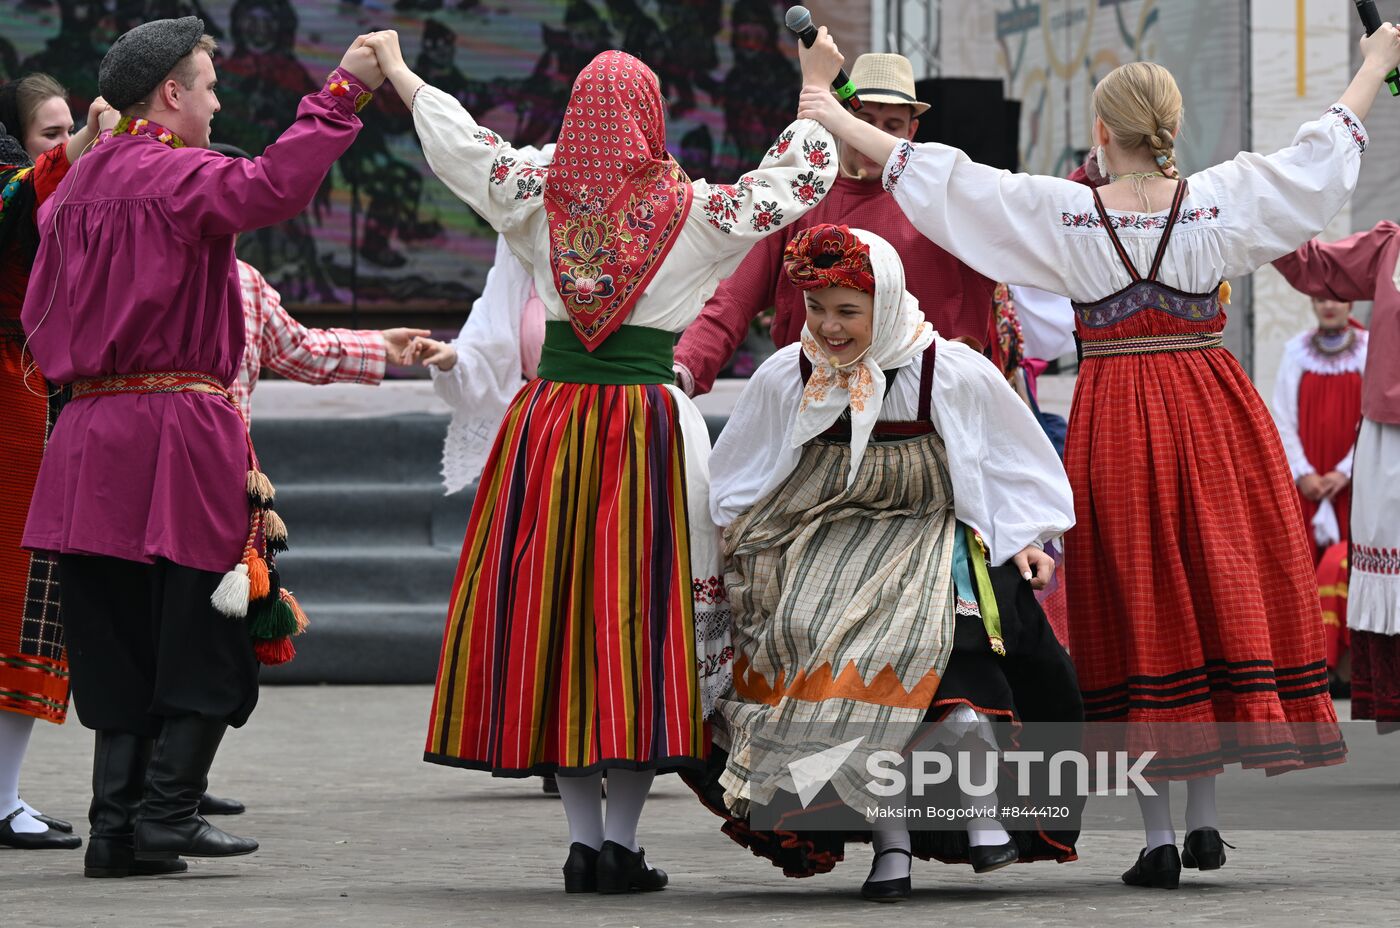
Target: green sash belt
(634, 354)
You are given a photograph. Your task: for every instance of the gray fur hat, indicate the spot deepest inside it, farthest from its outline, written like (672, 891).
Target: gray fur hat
(139, 60)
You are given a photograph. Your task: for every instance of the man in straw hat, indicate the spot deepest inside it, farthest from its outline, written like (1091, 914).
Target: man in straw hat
(149, 491)
(956, 299)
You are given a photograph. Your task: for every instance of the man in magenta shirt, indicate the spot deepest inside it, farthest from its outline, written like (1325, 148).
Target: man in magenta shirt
(142, 494)
(955, 298)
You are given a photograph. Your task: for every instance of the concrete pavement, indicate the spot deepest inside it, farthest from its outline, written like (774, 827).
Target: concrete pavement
(357, 831)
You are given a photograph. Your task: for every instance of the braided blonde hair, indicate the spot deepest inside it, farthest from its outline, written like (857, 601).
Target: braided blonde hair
(1140, 104)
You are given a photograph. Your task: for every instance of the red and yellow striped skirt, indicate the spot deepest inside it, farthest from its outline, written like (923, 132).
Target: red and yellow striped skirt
(570, 642)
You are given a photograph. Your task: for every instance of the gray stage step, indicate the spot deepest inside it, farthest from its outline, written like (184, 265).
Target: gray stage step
(374, 543)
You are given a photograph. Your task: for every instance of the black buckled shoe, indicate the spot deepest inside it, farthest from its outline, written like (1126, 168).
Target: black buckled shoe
(581, 869)
(896, 890)
(624, 871)
(213, 805)
(169, 824)
(49, 840)
(988, 857)
(1204, 849)
(1160, 868)
(549, 786)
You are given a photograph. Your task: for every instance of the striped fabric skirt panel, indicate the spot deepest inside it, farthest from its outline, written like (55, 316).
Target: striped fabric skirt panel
(570, 640)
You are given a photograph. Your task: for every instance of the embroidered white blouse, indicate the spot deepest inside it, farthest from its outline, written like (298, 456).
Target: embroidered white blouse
(1300, 357)
(1008, 483)
(507, 190)
(1045, 232)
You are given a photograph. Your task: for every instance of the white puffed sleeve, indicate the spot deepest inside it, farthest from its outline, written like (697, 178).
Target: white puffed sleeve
(505, 187)
(997, 223)
(1047, 322)
(487, 375)
(1271, 204)
(754, 453)
(1008, 483)
(793, 177)
(1290, 377)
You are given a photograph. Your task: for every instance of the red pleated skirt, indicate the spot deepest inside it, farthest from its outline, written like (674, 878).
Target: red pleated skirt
(1193, 607)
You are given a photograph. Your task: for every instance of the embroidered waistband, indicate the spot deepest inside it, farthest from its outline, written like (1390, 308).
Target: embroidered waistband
(1151, 344)
(151, 382)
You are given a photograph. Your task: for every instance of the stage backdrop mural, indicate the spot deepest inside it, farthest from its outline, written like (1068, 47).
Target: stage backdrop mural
(383, 236)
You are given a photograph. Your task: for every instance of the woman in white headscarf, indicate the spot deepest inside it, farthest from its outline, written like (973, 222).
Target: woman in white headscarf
(860, 468)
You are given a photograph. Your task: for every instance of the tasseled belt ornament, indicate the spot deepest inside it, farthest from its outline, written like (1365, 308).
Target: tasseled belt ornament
(252, 590)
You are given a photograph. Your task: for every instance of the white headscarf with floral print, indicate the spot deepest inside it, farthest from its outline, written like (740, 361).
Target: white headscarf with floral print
(900, 333)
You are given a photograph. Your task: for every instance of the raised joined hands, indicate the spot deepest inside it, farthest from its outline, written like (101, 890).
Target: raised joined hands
(360, 60)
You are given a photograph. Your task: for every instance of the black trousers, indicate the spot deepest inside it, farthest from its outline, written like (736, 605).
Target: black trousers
(144, 644)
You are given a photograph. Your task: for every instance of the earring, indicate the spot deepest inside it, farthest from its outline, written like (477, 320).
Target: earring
(1102, 162)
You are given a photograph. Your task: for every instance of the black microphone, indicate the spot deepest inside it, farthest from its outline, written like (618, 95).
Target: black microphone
(1371, 21)
(799, 20)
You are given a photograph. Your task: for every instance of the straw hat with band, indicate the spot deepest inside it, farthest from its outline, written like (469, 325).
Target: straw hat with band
(881, 77)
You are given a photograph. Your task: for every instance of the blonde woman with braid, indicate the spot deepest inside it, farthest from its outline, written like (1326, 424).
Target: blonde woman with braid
(1193, 610)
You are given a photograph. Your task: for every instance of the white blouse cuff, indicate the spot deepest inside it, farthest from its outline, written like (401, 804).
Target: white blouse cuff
(1352, 123)
(899, 160)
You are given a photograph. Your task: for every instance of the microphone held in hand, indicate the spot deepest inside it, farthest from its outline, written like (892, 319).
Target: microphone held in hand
(1371, 21)
(799, 20)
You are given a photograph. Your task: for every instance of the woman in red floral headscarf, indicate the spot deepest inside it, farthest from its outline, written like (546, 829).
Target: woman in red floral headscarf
(588, 628)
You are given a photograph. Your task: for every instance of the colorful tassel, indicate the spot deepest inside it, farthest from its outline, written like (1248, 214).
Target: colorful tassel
(274, 531)
(274, 652)
(272, 620)
(260, 490)
(259, 585)
(231, 597)
(297, 613)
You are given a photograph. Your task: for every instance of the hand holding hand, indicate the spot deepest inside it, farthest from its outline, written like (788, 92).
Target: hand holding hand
(398, 343)
(385, 46)
(1310, 485)
(1382, 48)
(820, 63)
(1333, 483)
(360, 60)
(434, 353)
(819, 103)
(1036, 566)
(101, 116)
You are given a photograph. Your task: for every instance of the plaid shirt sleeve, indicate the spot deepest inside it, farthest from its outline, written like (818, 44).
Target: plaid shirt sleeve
(318, 355)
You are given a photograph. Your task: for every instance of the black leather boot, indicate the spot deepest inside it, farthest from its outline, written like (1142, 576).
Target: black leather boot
(213, 805)
(118, 776)
(169, 823)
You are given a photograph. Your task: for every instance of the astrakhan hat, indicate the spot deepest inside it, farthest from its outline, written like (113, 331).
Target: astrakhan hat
(881, 77)
(139, 60)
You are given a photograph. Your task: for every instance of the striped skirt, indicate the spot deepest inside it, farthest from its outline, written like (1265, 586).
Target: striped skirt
(571, 639)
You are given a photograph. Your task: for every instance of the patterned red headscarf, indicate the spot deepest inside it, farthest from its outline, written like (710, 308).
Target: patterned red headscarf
(829, 255)
(615, 198)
